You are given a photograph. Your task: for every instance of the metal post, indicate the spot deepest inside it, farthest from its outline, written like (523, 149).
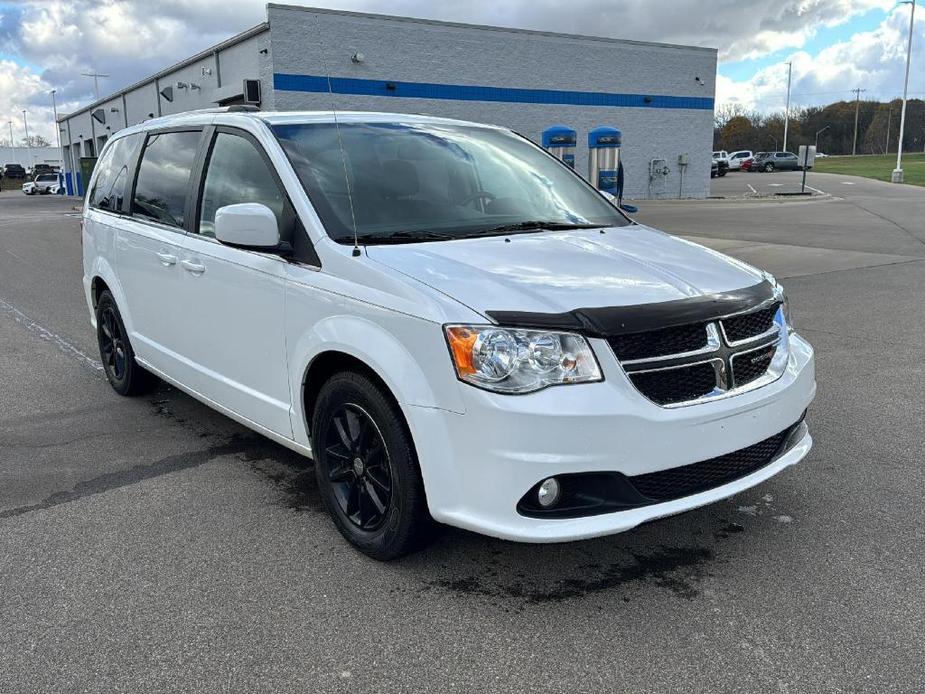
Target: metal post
(54, 108)
(857, 108)
(12, 141)
(897, 176)
(817, 135)
(25, 125)
(787, 110)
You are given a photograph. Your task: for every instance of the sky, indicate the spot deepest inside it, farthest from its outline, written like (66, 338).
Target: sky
(834, 45)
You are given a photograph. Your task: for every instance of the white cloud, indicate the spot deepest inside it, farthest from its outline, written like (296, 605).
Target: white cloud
(872, 60)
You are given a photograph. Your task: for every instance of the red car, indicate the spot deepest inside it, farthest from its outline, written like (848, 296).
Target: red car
(746, 164)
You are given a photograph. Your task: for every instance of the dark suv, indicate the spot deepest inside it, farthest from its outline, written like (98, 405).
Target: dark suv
(771, 161)
(14, 171)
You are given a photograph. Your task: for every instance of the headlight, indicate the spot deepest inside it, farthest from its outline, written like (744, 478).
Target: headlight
(508, 360)
(781, 296)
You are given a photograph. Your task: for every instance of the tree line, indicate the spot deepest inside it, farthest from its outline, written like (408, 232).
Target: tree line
(31, 141)
(735, 127)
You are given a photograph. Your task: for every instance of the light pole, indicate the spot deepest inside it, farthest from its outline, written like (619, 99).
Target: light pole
(12, 141)
(25, 126)
(787, 110)
(817, 135)
(54, 108)
(897, 176)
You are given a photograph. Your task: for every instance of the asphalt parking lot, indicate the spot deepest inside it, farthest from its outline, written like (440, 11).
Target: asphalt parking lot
(151, 545)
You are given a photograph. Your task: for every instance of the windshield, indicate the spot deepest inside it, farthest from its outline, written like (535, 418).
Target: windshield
(412, 182)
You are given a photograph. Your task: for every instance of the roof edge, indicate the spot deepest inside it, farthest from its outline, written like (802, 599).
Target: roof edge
(486, 27)
(227, 43)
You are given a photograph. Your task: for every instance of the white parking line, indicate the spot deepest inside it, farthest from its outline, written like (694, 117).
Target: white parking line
(45, 334)
(752, 188)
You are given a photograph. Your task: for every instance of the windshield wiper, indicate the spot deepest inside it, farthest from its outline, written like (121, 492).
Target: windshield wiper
(534, 225)
(396, 237)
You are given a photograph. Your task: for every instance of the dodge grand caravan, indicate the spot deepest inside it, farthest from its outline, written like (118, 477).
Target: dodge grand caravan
(455, 326)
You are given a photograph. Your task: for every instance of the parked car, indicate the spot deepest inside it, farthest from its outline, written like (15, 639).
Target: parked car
(722, 164)
(450, 339)
(42, 169)
(14, 171)
(714, 168)
(775, 161)
(736, 159)
(41, 184)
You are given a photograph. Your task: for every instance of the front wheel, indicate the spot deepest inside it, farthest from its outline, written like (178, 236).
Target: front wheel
(366, 468)
(769, 168)
(125, 375)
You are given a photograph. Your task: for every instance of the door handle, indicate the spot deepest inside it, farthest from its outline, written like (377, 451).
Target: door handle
(167, 259)
(193, 268)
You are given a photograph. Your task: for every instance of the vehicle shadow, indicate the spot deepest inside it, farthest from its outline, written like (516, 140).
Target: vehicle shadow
(676, 555)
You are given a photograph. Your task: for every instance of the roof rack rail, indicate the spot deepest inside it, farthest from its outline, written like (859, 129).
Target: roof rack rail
(234, 108)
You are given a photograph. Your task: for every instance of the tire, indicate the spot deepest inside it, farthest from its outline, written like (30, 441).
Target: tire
(124, 374)
(367, 469)
(769, 168)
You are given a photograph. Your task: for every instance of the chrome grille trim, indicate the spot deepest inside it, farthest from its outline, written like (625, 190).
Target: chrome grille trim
(720, 353)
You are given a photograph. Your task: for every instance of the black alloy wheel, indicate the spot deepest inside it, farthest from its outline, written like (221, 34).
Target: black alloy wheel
(125, 375)
(367, 468)
(112, 343)
(359, 468)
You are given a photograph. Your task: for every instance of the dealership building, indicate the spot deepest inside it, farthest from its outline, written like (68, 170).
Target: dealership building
(660, 96)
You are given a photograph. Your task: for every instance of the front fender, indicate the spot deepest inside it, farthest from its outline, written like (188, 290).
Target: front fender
(409, 355)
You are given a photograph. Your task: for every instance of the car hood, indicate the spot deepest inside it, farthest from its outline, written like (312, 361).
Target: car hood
(555, 272)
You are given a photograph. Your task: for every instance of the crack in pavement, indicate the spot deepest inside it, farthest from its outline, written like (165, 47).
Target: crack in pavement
(139, 473)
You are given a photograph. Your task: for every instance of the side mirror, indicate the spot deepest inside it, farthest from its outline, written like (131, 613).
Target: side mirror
(248, 225)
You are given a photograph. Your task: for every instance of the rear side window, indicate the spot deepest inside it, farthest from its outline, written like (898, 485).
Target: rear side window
(112, 173)
(236, 173)
(164, 177)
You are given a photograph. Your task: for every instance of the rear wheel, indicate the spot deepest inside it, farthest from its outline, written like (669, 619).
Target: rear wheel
(366, 468)
(125, 375)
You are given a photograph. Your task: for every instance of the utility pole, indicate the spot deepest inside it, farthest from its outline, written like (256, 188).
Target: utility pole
(787, 110)
(25, 126)
(12, 141)
(857, 108)
(897, 176)
(96, 82)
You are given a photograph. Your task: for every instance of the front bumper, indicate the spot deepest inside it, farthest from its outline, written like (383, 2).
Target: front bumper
(477, 466)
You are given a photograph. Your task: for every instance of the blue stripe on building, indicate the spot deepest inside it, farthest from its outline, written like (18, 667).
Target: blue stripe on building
(464, 92)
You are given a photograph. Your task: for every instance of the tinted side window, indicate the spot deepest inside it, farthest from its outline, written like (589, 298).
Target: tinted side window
(236, 173)
(112, 178)
(164, 177)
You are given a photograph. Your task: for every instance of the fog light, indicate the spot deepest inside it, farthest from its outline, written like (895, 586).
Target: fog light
(548, 493)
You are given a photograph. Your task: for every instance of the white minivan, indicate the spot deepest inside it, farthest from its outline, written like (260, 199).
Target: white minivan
(452, 323)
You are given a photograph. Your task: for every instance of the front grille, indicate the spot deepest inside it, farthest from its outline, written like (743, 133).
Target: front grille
(749, 325)
(708, 474)
(749, 366)
(659, 343)
(676, 385)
